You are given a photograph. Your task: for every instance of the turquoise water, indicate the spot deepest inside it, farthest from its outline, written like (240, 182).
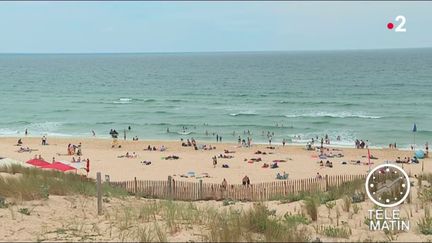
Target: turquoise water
(374, 95)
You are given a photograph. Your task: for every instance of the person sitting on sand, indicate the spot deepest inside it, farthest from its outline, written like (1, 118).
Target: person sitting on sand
(415, 160)
(265, 165)
(79, 159)
(274, 166)
(40, 157)
(19, 143)
(318, 176)
(245, 181)
(163, 148)
(154, 148)
(321, 163)
(225, 166)
(73, 159)
(329, 164)
(53, 159)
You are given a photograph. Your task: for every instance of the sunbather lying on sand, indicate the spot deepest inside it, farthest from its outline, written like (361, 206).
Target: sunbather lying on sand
(224, 156)
(265, 165)
(146, 162)
(127, 155)
(228, 152)
(26, 149)
(171, 157)
(259, 152)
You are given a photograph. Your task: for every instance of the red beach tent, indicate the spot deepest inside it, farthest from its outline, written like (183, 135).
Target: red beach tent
(38, 162)
(58, 166)
(45, 165)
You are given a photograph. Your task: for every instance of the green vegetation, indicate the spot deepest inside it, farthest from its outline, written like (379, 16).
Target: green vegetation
(311, 205)
(24, 211)
(154, 221)
(336, 232)
(425, 223)
(33, 183)
(354, 188)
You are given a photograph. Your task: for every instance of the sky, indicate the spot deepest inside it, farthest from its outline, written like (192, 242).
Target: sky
(98, 27)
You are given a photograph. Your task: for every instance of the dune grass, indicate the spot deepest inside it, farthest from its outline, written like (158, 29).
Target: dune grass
(29, 183)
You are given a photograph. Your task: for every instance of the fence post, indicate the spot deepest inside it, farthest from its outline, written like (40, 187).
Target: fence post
(99, 193)
(169, 187)
(136, 187)
(327, 183)
(200, 189)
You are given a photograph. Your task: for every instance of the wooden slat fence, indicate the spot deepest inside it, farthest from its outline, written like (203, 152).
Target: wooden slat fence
(192, 191)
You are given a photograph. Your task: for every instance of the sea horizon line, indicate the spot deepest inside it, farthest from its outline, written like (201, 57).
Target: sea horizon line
(211, 52)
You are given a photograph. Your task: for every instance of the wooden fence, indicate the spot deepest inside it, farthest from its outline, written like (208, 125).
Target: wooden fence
(191, 191)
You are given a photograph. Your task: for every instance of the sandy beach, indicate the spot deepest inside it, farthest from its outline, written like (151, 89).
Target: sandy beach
(300, 163)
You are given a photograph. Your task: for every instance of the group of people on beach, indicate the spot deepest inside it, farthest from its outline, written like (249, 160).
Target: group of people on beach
(73, 149)
(360, 144)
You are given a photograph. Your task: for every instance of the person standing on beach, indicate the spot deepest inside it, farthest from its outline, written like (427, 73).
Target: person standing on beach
(427, 148)
(26, 132)
(283, 142)
(93, 132)
(217, 137)
(124, 134)
(224, 184)
(214, 161)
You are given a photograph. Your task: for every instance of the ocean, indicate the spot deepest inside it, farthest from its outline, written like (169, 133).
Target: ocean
(374, 95)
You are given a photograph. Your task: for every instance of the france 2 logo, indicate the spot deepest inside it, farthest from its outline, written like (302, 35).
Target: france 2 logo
(401, 20)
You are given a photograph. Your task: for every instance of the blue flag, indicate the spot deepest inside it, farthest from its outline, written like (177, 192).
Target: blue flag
(415, 128)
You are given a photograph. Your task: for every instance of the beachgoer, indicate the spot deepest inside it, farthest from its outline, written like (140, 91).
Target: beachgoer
(53, 159)
(129, 128)
(26, 132)
(93, 132)
(283, 142)
(124, 134)
(245, 181)
(224, 184)
(214, 161)
(19, 142)
(318, 176)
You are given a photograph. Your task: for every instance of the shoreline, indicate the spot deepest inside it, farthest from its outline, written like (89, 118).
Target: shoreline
(200, 140)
